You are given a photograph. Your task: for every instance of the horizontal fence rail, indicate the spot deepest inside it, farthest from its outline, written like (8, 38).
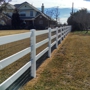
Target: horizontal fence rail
(59, 35)
(41, 32)
(13, 38)
(41, 43)
(14, 77)
(9, 60)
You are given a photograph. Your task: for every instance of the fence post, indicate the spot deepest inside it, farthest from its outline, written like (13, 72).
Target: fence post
(70, 28)
(33, 53)
(67, 31)
(64, 31)
(49, 43)
(61, 33)
(56, 37)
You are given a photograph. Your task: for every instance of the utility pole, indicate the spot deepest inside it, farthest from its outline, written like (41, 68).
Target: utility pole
(72, 9)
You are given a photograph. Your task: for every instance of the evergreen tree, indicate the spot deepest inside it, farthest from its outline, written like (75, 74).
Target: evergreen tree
(15, 19)
(80, 20)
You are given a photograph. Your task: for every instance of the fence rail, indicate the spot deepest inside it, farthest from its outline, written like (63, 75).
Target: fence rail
(62, 32)
(13, 38)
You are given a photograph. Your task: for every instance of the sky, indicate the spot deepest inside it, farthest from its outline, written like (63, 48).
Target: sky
(78, 4)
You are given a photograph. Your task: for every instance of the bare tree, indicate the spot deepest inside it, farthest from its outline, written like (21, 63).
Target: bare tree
(3, 4)
(54, 13)
(50, 12)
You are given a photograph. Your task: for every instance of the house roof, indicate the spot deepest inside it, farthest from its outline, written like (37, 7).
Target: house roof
(19, 5)
(42, 15)
(49, 17)
(10, 6)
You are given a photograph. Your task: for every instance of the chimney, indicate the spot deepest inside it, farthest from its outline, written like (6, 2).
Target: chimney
(42, 8)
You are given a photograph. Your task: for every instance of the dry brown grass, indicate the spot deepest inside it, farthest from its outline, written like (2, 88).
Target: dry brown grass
(9, 32)
(70, 67)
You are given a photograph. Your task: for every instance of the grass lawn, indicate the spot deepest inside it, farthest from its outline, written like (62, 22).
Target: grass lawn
(69, 69)
(9, 32)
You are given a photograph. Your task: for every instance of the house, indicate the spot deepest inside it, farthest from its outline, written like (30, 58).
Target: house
(29, 14)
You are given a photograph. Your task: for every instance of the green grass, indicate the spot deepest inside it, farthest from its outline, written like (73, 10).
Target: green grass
(82, 32)
(70, 67)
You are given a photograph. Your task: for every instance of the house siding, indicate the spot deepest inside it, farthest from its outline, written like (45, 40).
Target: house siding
(41, 25)
(25, 6)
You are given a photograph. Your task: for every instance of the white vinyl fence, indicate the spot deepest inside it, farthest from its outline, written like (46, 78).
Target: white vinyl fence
(62, 32)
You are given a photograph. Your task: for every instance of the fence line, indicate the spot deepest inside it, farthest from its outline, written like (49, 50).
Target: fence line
(62, 32)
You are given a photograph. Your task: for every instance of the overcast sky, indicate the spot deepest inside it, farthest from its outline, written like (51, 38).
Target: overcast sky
(78, 4)
(60, 3)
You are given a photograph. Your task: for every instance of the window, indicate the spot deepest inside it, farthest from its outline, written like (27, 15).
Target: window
(22, 14)
(31, 13)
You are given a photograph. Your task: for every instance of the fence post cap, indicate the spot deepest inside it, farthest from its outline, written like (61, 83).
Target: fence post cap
(32, 30)
(49, 28)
